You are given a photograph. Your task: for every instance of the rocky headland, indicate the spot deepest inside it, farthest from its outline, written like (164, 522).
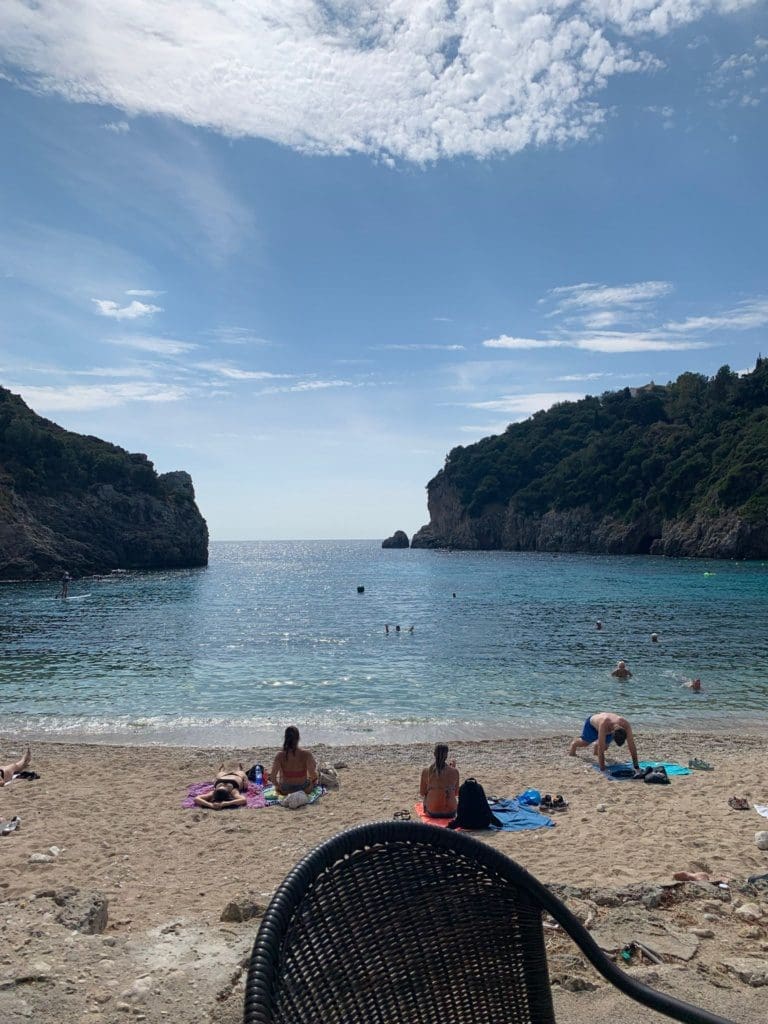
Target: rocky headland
(680, 470)
(78, 503)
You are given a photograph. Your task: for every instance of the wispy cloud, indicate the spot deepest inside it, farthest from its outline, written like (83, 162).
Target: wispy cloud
(83, 397)
(148, 343)
(144, 293)
(527, 404)
(118, 127)
(601, 341)
(418, 347)
(235, 373)
(418, 81)
(600, 295)
(135, 310)
(746, 316)
(309, 386)
(575, 377)
(238, 336)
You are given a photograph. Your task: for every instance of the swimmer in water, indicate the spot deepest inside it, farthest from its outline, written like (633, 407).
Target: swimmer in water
(599, 624)
(693, 684)
(621, 671)
(654, 638)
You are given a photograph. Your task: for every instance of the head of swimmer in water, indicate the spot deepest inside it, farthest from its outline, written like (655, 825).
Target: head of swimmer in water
(621, 665)
(696, 684)
(619, 736)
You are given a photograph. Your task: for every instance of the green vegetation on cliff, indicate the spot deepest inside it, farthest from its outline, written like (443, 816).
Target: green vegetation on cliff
(76, 502)
(692, 449)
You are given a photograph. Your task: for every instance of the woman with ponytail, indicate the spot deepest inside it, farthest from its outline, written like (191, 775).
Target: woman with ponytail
(293, 769)
(440, 785)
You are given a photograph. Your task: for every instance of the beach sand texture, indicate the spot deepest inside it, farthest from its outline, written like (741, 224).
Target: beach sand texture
(167, 873)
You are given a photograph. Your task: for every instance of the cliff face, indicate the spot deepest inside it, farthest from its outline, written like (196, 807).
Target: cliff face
(81, 504)
(577, 530)
(678, 470)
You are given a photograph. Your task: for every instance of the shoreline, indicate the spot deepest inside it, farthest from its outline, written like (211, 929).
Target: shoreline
(113, 815)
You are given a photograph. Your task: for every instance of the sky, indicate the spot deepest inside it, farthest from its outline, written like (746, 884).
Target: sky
(302, 250)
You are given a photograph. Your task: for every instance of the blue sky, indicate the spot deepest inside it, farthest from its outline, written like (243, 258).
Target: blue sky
(303, 250)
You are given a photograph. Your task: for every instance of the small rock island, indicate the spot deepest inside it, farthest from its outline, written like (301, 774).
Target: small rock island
(76, 503)
(399, 539)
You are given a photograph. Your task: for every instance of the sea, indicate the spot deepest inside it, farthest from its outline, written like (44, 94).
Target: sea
(491, 644)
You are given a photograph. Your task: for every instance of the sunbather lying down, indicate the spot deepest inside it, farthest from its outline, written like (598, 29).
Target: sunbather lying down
(7, 771)
(228, 790)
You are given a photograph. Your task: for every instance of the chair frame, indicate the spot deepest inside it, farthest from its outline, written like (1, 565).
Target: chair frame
(263, 980)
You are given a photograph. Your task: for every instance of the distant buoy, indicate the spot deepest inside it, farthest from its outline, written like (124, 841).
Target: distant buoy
(361, 590)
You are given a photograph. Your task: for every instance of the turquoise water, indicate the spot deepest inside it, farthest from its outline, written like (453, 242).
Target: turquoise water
(274, 632)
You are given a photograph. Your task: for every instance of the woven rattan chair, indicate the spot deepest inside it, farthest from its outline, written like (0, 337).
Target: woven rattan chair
(404, 922)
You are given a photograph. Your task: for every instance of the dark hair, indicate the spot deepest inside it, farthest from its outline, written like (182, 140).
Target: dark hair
(223, 791)
(291, 740)
(441, 755)
(619, 736)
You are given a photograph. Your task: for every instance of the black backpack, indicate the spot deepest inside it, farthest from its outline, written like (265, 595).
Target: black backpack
(473, 810)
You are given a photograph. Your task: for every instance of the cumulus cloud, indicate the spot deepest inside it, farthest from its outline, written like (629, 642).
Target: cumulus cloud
(133, 311)
(160, 346)
(84, 397)
(416, 79)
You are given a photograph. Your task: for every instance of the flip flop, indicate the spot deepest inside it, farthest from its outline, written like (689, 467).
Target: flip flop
(738, 803)
(402, 815)
(699, 765)
(546, 803)
(559, 804)
(658, 776)
(10, 826)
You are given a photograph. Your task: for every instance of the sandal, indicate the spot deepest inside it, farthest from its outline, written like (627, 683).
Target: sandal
(738, 803)
(402, 815)
(702, 766)
(559, 804)
(546, 803)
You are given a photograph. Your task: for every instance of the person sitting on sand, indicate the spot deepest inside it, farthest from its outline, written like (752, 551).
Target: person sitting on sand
(228, 791)
(601, 729)
(439, 787)
(621, 671)
(293, 768)
(7, 771)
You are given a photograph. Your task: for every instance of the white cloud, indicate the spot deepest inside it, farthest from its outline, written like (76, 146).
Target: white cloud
(416, 347)
(597, 295)
(133, 311)
(235, 373)
(418, 79)
(527, 404)
(309, 385)
(83, 397)
(144, 293)
(504, 341)
(238, 336)
(118, 127)
(147, 343)
(574, 377)
(746, 316)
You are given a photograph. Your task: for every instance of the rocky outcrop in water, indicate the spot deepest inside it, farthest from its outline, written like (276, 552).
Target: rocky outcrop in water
(399, 539)
(678, 470)
(73, 502)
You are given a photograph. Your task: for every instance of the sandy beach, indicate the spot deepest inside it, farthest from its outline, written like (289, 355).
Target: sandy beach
(110, 826)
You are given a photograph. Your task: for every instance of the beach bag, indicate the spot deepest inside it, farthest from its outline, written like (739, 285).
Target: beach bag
(474, 810)
(295, 800)
(328, 776)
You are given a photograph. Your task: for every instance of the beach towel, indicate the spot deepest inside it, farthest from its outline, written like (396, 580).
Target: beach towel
(273, 798)
(254, 796)
(513, 817)
(620, 772)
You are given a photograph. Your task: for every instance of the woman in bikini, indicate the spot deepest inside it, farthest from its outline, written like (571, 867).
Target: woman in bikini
(228, 791)
(440, 785)
(293, 769)
(7, 771)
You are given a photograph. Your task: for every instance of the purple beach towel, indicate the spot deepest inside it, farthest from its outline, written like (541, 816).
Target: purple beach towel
(254, 796)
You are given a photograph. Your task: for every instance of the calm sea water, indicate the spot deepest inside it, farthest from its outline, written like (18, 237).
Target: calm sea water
(272, 633)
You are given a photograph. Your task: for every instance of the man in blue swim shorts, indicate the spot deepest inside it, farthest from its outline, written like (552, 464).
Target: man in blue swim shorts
(603, 728)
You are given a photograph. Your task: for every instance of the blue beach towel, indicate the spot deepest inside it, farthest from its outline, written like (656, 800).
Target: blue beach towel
(515, 817)
(622, 772)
